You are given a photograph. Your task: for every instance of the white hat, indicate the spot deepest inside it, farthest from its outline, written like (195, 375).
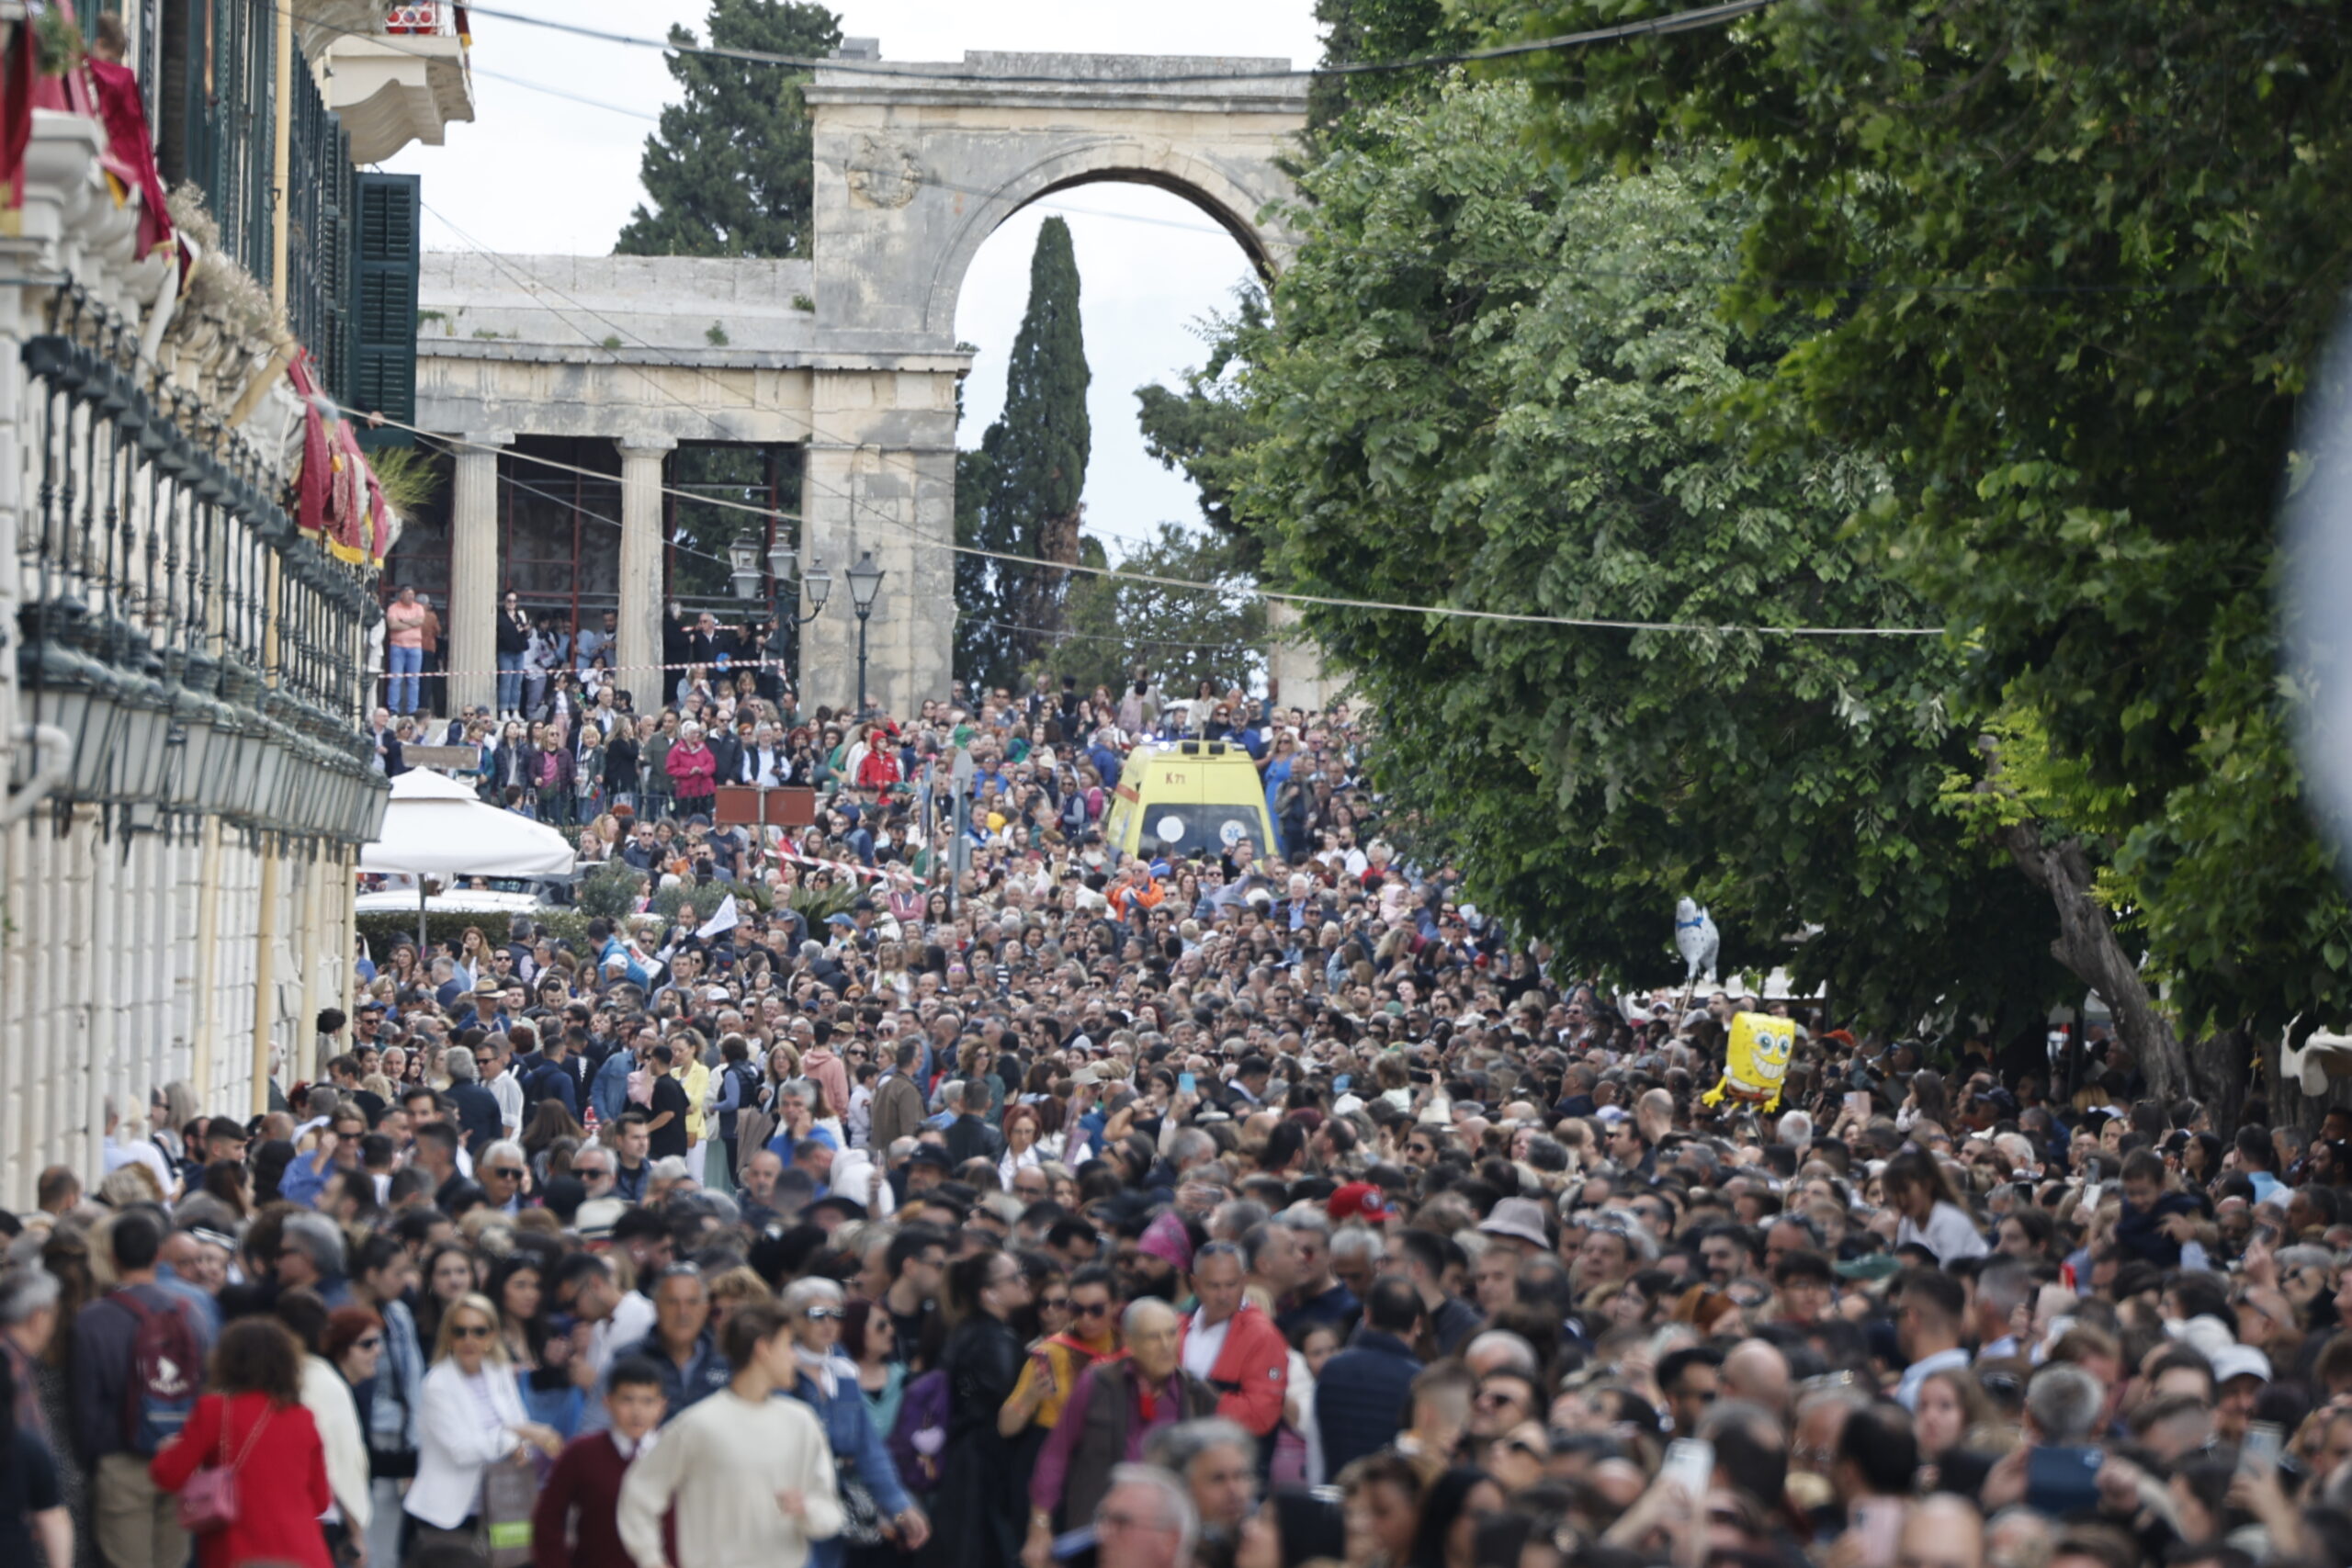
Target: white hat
(2241, 1362)
(1522, 1219)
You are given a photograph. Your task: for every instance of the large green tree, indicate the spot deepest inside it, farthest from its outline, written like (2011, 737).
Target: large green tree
(2067, 263)
(1492, 385)
(1120, 622)
(1018, 494)
(729, 170)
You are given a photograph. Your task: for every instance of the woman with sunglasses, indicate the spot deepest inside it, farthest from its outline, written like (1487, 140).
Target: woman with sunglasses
(471, 1417)
(882, 1518)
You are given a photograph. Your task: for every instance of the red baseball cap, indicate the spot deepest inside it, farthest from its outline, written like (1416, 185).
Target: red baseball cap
(1357, 1199)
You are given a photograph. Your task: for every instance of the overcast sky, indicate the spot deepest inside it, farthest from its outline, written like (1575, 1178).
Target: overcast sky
(536, 173)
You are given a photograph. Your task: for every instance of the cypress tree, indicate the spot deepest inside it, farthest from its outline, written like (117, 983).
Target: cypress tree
(1027, 476)
(729, 171)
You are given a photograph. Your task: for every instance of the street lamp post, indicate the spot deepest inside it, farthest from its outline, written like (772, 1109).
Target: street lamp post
(744, 556)
(864, 582)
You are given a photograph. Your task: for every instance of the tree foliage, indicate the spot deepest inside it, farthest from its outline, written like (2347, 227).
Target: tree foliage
(729, 170)
(2068, 266)
(1492, 385)
(1119, 624)
(1019, 494)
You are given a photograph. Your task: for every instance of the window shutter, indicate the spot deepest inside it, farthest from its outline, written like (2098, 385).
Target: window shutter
(384, 367)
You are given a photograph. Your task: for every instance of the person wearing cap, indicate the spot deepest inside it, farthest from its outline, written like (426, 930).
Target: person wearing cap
(1517, 1225)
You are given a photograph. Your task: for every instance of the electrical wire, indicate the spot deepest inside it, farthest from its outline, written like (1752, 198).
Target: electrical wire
(1453, 612)
(1656, 27)
(914, 535)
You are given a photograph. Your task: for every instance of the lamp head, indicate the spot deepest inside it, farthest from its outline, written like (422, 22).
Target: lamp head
(865, 582)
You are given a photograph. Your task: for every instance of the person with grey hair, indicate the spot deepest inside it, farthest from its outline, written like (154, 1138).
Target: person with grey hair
(1499, 1349)
(1106, 1420)
(872, 1496)
(503, 1170)
(480, 1122)
(310, 1257)
(1145, 1521)
(1217, 1461)
(2061, 1403)
(29, 1297)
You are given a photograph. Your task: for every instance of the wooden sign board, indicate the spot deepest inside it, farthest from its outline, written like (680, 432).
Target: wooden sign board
(784, 805)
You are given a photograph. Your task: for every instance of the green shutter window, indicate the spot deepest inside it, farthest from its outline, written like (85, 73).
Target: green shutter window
(384, 364)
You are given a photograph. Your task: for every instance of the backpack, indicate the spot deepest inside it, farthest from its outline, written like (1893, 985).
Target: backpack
(920, 1440)
(166, 1375)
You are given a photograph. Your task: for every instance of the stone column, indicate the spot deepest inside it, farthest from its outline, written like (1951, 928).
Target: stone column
(880, 476)
(473, 573)
(637, 670)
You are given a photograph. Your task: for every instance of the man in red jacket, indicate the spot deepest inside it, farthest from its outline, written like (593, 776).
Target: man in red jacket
(576, 1522)
(1234, 1348)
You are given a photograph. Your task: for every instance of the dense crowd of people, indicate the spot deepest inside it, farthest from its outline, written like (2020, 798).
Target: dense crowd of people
(1240, 1211)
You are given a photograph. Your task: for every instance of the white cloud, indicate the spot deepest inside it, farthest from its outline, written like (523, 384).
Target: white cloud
(539, 173)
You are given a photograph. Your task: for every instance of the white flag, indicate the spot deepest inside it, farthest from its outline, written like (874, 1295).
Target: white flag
(724, 920)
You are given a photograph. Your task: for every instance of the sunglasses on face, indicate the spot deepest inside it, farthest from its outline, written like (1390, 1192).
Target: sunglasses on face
(822, 1313)
(1088, 1309)
(1054, 1303)
(470, 1331)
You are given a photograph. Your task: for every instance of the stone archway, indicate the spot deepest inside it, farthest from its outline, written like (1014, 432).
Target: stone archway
(916, 165)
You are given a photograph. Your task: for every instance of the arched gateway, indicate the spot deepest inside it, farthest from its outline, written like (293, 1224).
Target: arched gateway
(916, 165)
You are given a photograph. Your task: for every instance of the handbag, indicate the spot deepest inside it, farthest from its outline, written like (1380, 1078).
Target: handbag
(509, 1492)
(861, 1514)
(208, 1502)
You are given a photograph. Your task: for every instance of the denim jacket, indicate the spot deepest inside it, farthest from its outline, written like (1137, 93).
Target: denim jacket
(849, 1428)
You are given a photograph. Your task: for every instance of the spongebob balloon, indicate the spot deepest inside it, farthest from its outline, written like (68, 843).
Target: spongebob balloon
(1757, 1061)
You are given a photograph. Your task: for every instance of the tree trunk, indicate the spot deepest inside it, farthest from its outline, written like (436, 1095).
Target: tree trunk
(2220, 1074)
(2086, 946)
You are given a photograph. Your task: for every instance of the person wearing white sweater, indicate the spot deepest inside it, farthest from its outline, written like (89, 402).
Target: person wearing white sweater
(752, 1475)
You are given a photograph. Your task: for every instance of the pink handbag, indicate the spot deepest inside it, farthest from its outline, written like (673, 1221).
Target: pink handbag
(208, 1502)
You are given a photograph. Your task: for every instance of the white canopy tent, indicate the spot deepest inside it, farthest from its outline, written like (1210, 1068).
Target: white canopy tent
(436, 826)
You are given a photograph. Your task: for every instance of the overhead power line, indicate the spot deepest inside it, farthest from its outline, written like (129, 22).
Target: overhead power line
(908, 530)
(1655, 26)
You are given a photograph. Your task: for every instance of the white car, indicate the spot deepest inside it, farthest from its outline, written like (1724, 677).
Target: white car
(456, 901)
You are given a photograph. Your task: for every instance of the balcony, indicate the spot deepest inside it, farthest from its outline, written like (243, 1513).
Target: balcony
(395, 74)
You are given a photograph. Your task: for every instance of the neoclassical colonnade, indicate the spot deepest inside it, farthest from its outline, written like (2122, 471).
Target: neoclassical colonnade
(851, 356)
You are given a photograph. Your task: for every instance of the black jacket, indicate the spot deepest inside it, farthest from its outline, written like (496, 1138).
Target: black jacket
(1359, 1397)
(970, 1138)
(478, 1120)
(513, 634)
(728, 752)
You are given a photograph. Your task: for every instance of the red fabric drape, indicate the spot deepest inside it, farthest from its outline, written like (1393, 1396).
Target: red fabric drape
(131, 148)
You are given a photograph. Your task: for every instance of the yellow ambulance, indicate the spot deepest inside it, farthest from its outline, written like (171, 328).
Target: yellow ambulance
(1184, 798)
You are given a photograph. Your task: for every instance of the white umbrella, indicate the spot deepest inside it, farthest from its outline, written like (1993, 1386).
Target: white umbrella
(436, 826)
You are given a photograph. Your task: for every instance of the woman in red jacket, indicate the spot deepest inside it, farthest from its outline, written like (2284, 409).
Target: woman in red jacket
(694, 771)
(254, 1420)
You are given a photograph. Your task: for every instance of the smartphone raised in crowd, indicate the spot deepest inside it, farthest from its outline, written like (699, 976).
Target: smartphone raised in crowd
(1691, 1461)
(2265, 1442)
(1185, 1082)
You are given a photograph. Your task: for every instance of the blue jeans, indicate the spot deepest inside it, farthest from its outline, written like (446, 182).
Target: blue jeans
(510, 681)
(399, 694)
